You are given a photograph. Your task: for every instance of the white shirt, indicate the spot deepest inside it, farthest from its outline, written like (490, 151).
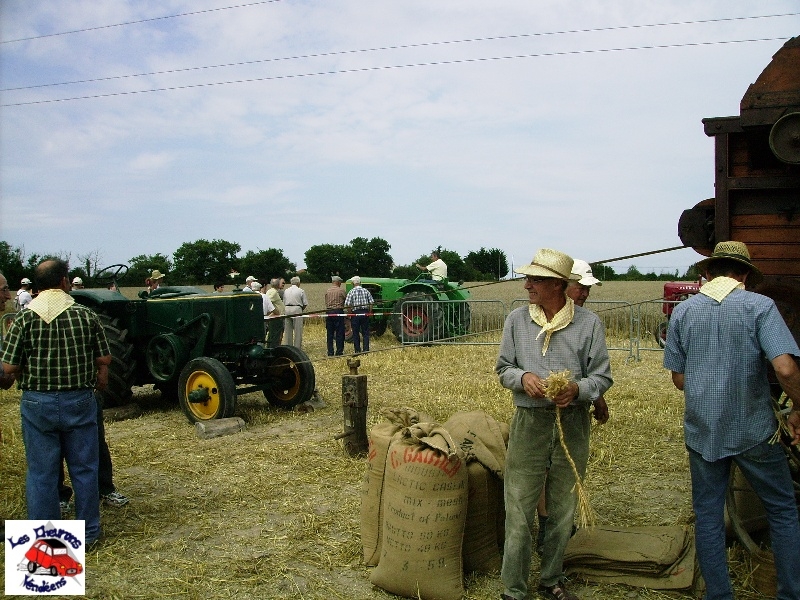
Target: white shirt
(23, 298)
(438, 269)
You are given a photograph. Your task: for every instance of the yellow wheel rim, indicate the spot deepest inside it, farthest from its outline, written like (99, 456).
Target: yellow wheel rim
(208, 409)
(288, 393)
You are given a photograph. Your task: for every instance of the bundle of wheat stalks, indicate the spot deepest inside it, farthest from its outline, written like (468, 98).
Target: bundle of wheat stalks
(554, 384)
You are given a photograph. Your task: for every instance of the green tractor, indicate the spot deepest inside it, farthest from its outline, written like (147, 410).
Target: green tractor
(203, 348)
(418, 310)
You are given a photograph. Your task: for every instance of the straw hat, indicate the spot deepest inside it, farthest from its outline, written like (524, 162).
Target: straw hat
(733, 251)
(584, 271)
(550, 263)
(156, 274)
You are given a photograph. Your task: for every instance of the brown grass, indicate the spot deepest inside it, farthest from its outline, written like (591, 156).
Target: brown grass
(273, 512)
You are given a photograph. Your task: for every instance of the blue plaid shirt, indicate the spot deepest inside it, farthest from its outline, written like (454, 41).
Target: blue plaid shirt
(723, 350)
(358, 298)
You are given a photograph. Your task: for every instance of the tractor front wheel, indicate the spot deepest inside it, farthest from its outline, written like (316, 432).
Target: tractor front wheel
(292, 376)
(206, 390)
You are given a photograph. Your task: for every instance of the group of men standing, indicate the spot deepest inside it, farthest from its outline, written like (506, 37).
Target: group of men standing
(358, 303)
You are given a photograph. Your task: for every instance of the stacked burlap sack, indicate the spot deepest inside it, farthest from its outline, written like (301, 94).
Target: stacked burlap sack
(432, 502)
(660, 558)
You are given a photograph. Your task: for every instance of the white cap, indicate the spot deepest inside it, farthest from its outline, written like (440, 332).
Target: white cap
(356, 280)
(249, 279)
(25, 281)
(582, 268)
(77, 281)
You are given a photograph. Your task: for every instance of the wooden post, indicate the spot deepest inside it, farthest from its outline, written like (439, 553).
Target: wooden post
(354, 407)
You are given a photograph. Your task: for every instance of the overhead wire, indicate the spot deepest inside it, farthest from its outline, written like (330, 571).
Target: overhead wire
(388, 67)
(136, 22)
(397, 47)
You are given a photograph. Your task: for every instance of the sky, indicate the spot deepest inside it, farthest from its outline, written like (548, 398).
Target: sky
(132, 127)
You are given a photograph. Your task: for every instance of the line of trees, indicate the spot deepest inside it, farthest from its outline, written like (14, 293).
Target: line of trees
(205, 262)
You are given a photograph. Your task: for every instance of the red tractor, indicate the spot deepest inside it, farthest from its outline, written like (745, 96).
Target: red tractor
(674, 292)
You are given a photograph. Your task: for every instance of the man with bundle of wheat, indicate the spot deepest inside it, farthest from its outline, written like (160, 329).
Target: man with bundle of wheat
(550, 339)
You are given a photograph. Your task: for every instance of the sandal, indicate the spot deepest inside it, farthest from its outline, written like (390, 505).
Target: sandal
(556, 592)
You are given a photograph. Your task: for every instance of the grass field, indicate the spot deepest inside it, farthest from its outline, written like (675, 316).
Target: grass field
(273, 512)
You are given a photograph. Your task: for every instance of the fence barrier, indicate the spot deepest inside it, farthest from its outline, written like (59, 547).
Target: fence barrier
(631, 328)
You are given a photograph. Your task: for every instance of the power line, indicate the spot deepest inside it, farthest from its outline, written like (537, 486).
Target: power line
(186, 14)
(387, 67)
(397, 47)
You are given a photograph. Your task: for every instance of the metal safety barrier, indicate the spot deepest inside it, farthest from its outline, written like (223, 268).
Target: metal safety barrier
(452, 321)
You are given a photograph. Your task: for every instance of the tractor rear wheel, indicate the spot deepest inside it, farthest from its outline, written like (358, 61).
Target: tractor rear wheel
(206, 390)
(418, 318)
(122, 368)
(293, 377)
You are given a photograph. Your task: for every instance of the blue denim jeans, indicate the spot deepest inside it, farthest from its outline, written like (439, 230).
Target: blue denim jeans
(335, 330)
(766, 468)
(533, 447)
(54, 423)
(360, 325)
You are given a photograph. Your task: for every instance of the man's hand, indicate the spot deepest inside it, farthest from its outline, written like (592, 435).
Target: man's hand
(600, 412)
(532, 385)
(793, 422)
(567, 395)
(7, 380)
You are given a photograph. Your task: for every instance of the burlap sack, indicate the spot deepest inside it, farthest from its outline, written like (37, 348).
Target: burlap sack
(485, 513)
(372, 485)
(425, 505)
(481, 438)
(660, 558)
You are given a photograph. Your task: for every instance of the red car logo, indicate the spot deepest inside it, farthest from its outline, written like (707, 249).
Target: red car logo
(51, 554)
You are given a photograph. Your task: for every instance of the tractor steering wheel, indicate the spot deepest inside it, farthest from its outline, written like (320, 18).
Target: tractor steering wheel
(111, 274)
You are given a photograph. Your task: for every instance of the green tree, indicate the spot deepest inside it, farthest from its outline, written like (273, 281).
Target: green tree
(11, 264)
(324, 260)
(141, 266)
(266, 264)
(360, 257)
(488, 264)
(203, 262)
(371, 256)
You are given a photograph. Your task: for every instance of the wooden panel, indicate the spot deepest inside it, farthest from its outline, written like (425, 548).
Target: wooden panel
(776, 221)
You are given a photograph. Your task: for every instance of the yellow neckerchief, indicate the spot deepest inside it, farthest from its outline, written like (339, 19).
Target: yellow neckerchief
(719, 287)
(51, 303)
(560, 320)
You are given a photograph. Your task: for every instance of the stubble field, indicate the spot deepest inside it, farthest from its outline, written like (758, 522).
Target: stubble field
(273, 512)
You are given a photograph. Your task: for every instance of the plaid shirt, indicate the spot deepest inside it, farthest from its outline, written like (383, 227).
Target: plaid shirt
(58, 356)
(359, 298)
(334, 297)
(722, 348)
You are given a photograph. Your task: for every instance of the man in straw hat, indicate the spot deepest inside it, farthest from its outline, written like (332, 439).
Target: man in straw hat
(578, 289)
(551, 334)
(719, 344)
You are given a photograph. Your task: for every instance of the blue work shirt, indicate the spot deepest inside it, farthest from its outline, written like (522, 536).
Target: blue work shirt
(723, 349)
